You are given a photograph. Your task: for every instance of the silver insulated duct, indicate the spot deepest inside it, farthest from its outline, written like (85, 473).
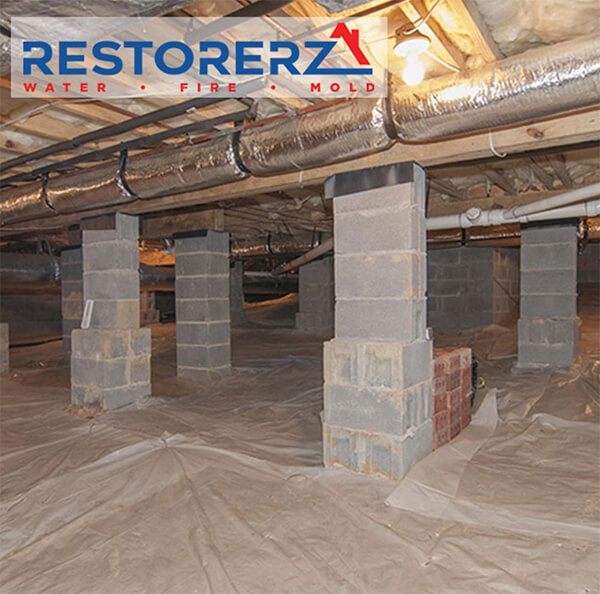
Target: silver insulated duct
(544, 82)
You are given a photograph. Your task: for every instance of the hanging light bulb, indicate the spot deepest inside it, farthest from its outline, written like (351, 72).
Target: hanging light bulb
(414, 70)
(411, 46)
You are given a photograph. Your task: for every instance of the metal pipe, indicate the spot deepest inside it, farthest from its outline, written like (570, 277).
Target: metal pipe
(311, 255)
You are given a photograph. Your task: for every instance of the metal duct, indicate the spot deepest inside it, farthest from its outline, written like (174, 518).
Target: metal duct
(21, 271)
(273, 247)
(24, 203)
(87, 189)
(193, 167)
(543, 82)
(533, 85)
(337, 132)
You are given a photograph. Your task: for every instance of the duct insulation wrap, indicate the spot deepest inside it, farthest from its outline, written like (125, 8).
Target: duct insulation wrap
(273, 247)
(193, 167)
(23, 203)
(21, 271)
(543, 82)
(314, 138)
(93, 187)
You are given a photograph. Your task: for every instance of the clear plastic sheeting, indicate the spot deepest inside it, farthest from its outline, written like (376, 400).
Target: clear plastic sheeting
(313, 138)
(192, 167)
(218, 488)
(530, 86)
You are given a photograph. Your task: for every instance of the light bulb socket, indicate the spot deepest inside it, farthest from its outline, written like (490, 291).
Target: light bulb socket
(410, 43)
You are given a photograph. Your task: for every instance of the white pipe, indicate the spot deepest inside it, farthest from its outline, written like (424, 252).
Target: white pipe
(587, 209)
(563, 199)
(476, 217)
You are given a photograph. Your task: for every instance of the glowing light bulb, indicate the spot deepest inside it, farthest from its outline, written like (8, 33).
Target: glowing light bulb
(414, 70)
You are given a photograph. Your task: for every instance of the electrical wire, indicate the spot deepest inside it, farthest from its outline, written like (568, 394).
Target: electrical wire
(422, 20)
(442, 62)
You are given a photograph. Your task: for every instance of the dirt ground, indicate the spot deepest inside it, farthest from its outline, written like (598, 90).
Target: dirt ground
(219, 487)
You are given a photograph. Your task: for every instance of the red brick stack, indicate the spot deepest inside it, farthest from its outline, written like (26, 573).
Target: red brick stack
(451, 393)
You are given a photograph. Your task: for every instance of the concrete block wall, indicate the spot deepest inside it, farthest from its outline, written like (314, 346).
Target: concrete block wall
(71, 282)
(469, 287)
(202, 304)
(588, 265)
(236, 294)
(378, 368)
(4, 348)
(452, 391)
(110, 360)
(316, 297)
(548, 326)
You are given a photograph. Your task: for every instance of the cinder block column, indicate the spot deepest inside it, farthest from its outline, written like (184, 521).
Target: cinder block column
(549, 326)
(110, 362)
(202, 303)
(378, 368)
(4, 346)
(316, 296)
(148, 312)
(236, 293)
(71, 282)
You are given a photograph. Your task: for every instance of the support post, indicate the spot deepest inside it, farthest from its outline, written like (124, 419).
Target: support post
(549, 326)
(4, 348)
(378, 368)
(202, 303)
(71, 285)
(236, 294)
(316, 296)
(110, 362)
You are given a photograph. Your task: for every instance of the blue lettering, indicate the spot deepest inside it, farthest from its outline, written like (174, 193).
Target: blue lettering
(287, 62)
(138, 54)
(40, 61)
(65, 58)
(99, 54)
(217, 61)
(241, 58)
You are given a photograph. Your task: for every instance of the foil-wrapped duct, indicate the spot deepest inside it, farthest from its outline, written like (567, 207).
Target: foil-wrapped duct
(314, 138)
(193, 167)
(539, 83)
(273, 247)
(23, 271)
(93, 187)
(23, 203)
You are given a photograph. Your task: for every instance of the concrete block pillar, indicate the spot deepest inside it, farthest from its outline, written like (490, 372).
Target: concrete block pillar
(548, 326)
(236, 294)
(71, 282)
(378, 368)
(4, 346)
(110, 361)
(316, 297)
(149, 314)
(202, 303)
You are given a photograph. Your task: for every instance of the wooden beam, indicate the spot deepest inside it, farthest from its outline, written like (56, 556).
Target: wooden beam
(570, 129)
(166, 226)
(500, 179)
(469, 15)
(541, 173)
(441, 45)
(557, 162)
(445, 186)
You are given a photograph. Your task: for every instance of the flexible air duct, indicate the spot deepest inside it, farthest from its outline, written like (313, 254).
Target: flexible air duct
(24, 204)
(193, 167)
(544, 82)
(94, 187)
(337, 132)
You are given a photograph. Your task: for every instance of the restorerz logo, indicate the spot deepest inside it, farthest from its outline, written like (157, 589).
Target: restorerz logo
(226, 57)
